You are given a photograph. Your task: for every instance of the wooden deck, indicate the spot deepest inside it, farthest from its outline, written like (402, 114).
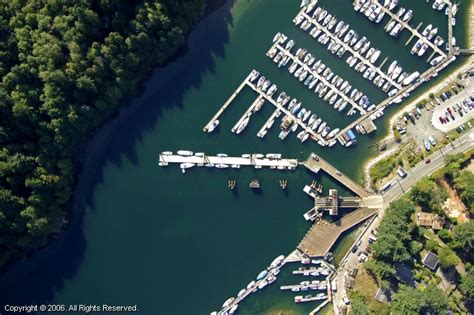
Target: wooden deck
(315, 163)
(320, 238)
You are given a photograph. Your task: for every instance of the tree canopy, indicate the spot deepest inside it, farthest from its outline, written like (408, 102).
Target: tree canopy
(64, 67)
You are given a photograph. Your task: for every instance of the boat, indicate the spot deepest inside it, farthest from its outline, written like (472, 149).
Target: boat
(365, 47)
(312, 119)
(339, 26)
(423, 49)
(354, 39)
(316, 124)
(341, 51)
(313, 83)
(325, 132)
(262, 284)
(185, 153)
(305, 137)
(333, 133)
(436, 4)
(327, 19)
(316, 12)
(308, 79)
(298, 72)
(427, 30)
(343, 106)
(396, 30)
(233, 309)
(402, 77)
(333, 99)
(321, 127)
(262, 275)
(438, 40)
(166, 153)
(375, 56)
(306, 115)
(281, 96)
(228, 302)
(321, 16)
(293, 67)
(301, 113)
(400, 12)
(411, 77)
(343, 31)
(432, 33)
(283, 134)
(392, 67)
(436, 60)
(349, 36)
(390, 25)
(417, 46)
(254, 75)
(260, 81)
(392, 4)
(407, 16)
(242, 125)
(276, 37)
(453, 21)
(298, 19)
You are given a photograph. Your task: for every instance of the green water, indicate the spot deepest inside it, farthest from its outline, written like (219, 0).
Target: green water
(182, 244)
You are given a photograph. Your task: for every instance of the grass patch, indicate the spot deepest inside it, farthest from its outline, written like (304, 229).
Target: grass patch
(383, 168)
(366, 286)
(343, 245)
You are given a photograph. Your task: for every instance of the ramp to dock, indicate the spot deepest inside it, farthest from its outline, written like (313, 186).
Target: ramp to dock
(315, 163)
(320, 238)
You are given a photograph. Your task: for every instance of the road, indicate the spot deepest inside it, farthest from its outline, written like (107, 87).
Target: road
(462, 144)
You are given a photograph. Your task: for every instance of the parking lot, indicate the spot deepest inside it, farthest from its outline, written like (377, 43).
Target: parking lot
(455, 111)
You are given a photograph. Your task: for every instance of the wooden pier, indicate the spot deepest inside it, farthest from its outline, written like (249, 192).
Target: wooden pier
(315, 163)
(320, 238)
(352, 51)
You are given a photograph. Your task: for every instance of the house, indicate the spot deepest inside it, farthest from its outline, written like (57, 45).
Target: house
(430, 260)
(430, 220)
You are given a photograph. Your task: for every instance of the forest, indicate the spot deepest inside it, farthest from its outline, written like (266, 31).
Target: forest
(64, 67)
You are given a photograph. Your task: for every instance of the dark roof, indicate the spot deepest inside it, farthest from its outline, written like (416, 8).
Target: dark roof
(430, 260)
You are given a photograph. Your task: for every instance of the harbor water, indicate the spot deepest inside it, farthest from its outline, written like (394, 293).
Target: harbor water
(175, 243)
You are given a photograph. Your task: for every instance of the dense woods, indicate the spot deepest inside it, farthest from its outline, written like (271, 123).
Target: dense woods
(64, 66)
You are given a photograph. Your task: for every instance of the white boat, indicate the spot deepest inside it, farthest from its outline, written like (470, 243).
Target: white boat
(392, 67)
(325, 132)
(321, 127)
(306, 115)
(233, 309)
(166, 153)
(316, 124)
(221, 155)
(432, 33)
(390, 25)
(209, 165)
(407, 16)
(213, 126)
(305, 137)
(276, 37)
(392, 4)
(411, 77)
(427, 30)
(262, 284)
(185, 153)
(312, 119)
(436, 60)
(228, 302)
(423, 49)
(343, 106)
(375, 56)
(260, 81)
(251, 284)
(242, 125)
(396, 30)
(254, 75)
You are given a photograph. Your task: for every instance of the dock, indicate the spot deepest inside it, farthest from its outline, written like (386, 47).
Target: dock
(352, 51)
(227, 103)
(407, 26)
(223, 161)
(315, 163)
(320, 78)
(320, 238)
(247, 113)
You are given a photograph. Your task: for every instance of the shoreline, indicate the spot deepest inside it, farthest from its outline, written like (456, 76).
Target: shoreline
(467, 65)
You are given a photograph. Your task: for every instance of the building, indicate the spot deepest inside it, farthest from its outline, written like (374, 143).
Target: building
(430, 220)
(430, 260)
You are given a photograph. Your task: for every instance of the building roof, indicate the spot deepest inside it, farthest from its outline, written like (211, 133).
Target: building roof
(429, 220)
(430, 260)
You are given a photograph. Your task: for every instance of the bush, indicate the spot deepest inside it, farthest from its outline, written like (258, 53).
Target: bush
(431, 245)
(445, 236)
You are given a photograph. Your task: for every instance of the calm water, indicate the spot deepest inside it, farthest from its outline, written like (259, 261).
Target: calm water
(182, 244)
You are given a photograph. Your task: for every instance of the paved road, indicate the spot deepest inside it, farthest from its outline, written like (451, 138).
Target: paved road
(462, 144)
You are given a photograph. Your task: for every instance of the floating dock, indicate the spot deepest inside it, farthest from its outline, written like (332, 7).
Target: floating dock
(351, 50)
(224, 161)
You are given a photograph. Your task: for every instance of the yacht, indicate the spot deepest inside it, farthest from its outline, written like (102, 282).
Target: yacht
(283, 134)
(213, 126)
(333, 133)
(436, 60)
(427, 30)
(312, 119)
(298, 72)
(343, 106)
(349, 36)
(271, 90)
(318, 87)
(185, 153)
(332, 23)
(327, 19)
(321, 16)
(343, 31)
(301, 134)
(298, 19)
(400, 12)
(392, 5)
(325, 132)
(391, 25)
(365, 47)
(313, 83)
(407, 16)
(436, 4)
(323, 91)
(341, 51)
(354, 39)
(306, 115)
(260, 81)
(417, 46)
(316, 124)
(266, 85)
(303, 75)
(339, 26)
(233, 309)
(316, 12)
(396, 30)
(321, 127)
(254, 75)
(290, 44)
(305, 137)
(276, 37)
(338, 103)
(308, 80)
(423, 49)
(392, 67)
(438, 40)
(293, 67)
(221, 155)
(228, 302)
(432, 33)
(262, 284)
(411, 77)
(402, 77)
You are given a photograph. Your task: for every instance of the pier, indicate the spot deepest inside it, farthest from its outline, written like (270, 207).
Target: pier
(352, 51)
(407, 26)
(315, 163)
(227, 103)
(320, 78)
(252, 160)
(247, 112)
(320, 238)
